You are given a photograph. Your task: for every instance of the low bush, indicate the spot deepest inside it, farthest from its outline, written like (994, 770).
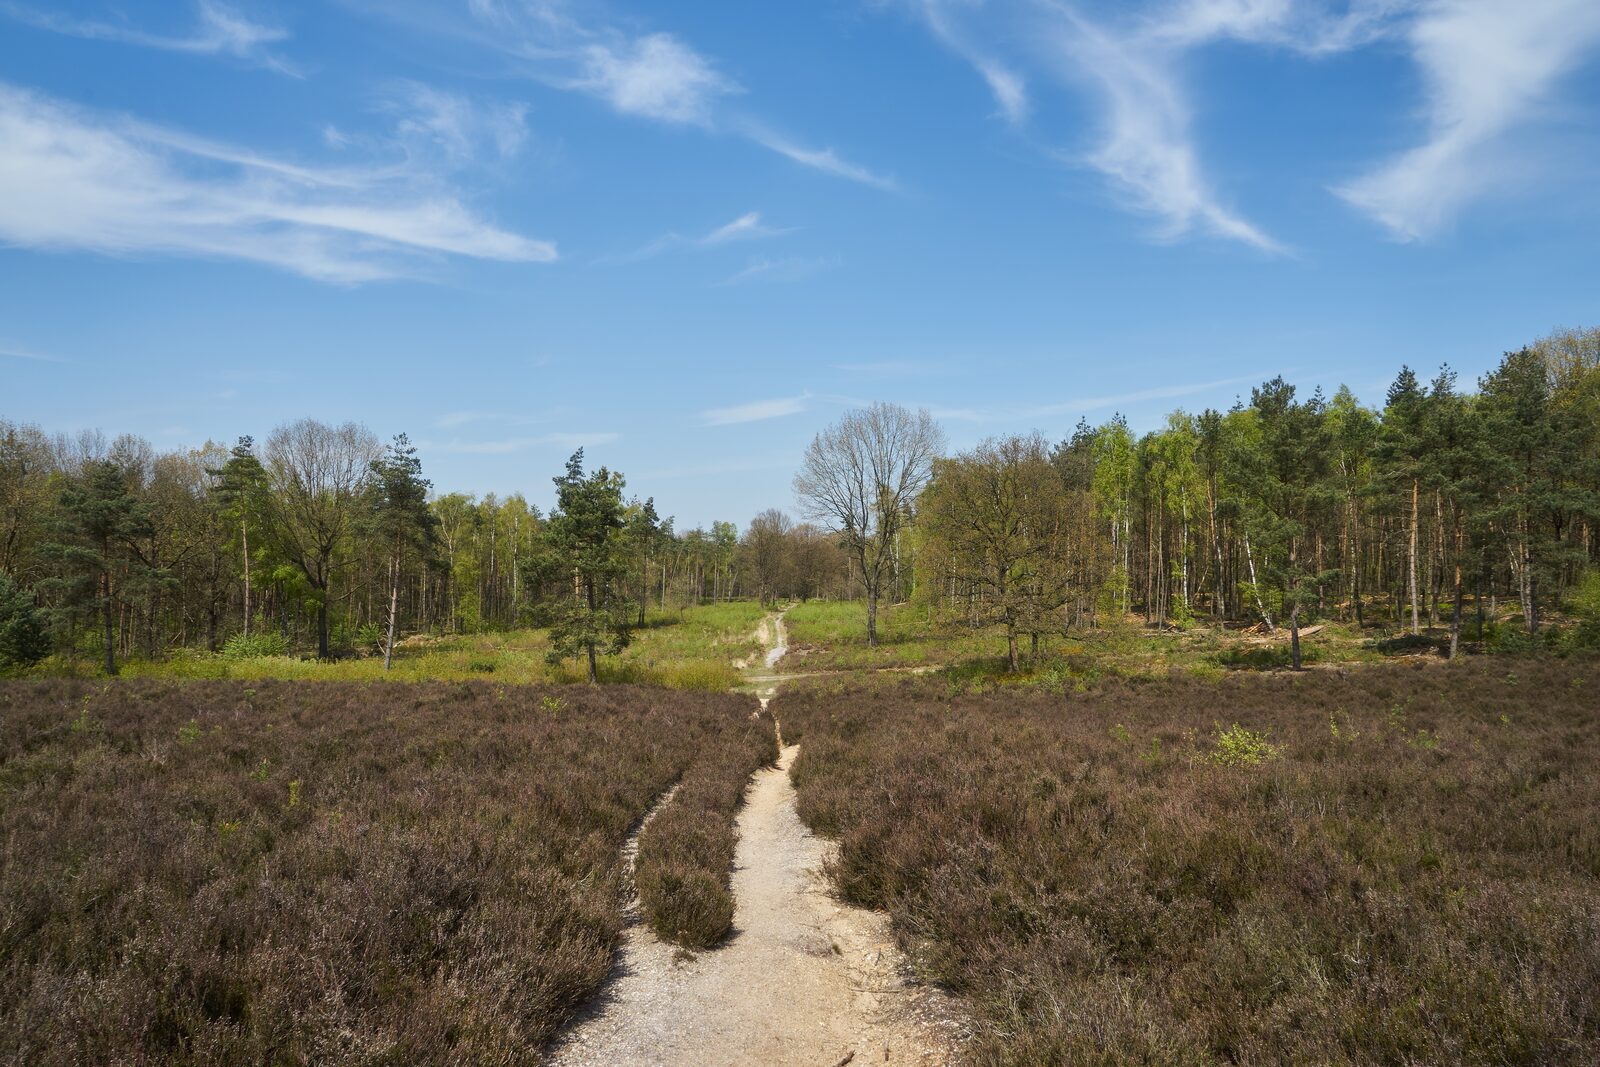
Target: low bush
(249, 873)
(685, 857)
(1413, 876)
(256, 645)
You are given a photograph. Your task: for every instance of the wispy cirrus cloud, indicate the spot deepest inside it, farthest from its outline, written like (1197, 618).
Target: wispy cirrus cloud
(825, 160)
(787, 269)
(15, 352)
(651, 75)
(71, 179)
(1490, 68)
(756, 411)
(747, 227)
(459, 128)
(1009, 87)
(219, 30)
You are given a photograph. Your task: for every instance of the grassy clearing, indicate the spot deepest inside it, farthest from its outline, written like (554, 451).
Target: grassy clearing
(692, 649)
(1391, 865)
(830, 636)
(221, 872)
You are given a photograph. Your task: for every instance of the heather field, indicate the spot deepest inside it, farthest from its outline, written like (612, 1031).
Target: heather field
(219, 872)
(1380, 865)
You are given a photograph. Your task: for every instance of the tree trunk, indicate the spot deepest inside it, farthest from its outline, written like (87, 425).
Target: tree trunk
(1255, 588)
(322, 624)
(1011, 649)
(872, 617)
(1411, 557)
(1455, 617)
(394, 605)
(244, 540)
(1294, 634)
(110, 629)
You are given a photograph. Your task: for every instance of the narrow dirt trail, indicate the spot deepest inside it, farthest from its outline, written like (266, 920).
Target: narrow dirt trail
(802, 980)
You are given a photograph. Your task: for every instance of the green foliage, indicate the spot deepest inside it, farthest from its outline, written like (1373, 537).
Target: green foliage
(1238, 747)
(24, 640)
(584, 543)
(1584, 600)
(99, 525)
(258, 644)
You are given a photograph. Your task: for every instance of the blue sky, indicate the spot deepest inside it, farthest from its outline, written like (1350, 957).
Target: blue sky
(688, 235)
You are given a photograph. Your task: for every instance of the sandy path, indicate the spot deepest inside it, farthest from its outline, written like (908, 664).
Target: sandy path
(801, 980)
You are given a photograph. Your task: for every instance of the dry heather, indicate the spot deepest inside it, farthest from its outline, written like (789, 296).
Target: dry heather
(215, 873)
(685, 859)
(1393, 865)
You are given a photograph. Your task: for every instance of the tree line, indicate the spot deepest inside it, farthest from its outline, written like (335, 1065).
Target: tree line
(323, 540)
(1442, 502)
(1275, 512)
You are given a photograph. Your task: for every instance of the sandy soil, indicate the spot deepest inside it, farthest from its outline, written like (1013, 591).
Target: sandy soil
(802, 979)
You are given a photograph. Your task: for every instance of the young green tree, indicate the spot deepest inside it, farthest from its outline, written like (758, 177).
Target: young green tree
(1400, 449)
(401, 521)
(583, 546)
(999, 523)
(98, 526)
(240, 491)
(318, 475)
(641, 540)
(1290, 482)
(1538, 457)
(1452, 467)
(23, 638)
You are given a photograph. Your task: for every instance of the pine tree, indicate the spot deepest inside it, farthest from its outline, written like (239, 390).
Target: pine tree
(583, 545)
(240, 494)
(1290, 481)
(23, 638)
(1399, 452)
(400, 520)
(98, 527)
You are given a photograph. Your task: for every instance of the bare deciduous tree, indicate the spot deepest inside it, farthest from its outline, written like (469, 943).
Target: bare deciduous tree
(767, 549)
(318, 474)
(862, 476)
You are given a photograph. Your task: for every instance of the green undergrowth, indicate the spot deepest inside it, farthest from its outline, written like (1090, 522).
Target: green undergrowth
(696, 649)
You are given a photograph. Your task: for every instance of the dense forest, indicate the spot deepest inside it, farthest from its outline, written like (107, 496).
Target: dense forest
(1447, 503)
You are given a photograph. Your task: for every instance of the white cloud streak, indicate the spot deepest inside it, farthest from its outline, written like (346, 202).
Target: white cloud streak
(747, 227)
(219, 31)
(788, 269)
(825, 160)
(9, 352)
(756, 411)
(1009, 88)
(1489, 67)
(72, 180)
(1145, 144)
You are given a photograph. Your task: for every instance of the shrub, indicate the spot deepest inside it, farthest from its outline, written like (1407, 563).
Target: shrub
(1414, 877)
(23, 639)
(226, 873)
(256, 645)
(1238, 747)
(686, 854)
